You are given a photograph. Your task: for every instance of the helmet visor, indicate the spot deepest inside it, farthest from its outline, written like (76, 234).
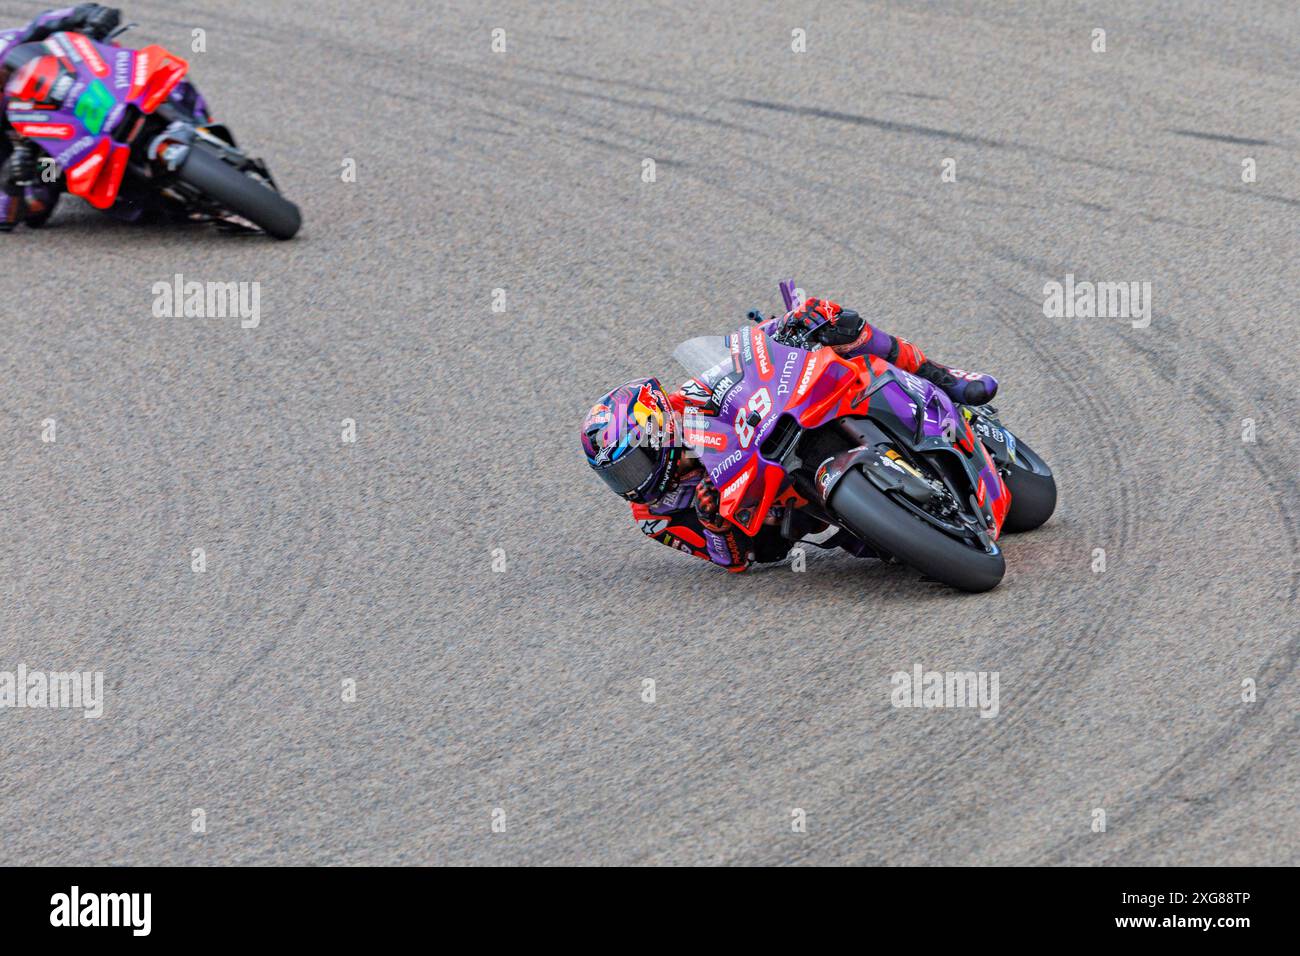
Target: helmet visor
(631, 471)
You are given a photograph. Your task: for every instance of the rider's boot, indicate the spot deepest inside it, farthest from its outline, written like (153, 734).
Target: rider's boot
(965, 388)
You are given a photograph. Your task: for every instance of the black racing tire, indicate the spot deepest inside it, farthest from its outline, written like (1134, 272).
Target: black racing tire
(240, 194)
(1033, 491)
(869, 513)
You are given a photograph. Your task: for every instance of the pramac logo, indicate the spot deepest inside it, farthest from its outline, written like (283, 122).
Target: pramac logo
(698, 438)
(45, 130)
(762, 360)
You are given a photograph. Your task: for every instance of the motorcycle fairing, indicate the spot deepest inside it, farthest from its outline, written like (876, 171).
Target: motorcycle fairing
(921, 416)
(155, 73)
(768, 380)
(76, 91)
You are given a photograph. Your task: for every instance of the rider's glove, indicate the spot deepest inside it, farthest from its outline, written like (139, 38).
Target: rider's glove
(707, 502)
(834, 325)
(17, 173)
(725, 544)
(20, 168)
(90, 18)
(95, 21)
(843, 329)
(23, 198)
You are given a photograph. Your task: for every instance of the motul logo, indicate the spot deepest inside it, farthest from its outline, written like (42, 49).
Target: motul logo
(141, 71)
(809, 373)
(734, 489)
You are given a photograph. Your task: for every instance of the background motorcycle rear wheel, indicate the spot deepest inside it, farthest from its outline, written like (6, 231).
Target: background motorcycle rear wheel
(867, 511)
(240, 194)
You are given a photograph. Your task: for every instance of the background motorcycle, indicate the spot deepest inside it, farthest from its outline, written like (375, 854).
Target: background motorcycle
(795, 435)
(130, 135)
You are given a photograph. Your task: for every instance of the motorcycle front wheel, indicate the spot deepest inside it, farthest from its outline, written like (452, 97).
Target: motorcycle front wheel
(1033, 491)
(206, 171)
(869, 513)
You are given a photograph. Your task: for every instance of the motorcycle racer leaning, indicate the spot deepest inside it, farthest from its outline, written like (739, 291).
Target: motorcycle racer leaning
(23, 195)
(672, 497)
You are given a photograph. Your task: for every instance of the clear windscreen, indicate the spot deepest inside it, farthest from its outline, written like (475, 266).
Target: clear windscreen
(705, 357)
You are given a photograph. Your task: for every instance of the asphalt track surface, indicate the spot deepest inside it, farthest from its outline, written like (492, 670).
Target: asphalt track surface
(521, 690)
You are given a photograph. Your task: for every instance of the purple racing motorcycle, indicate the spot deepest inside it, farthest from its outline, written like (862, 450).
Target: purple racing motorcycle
(796, 436)
(124, 130)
